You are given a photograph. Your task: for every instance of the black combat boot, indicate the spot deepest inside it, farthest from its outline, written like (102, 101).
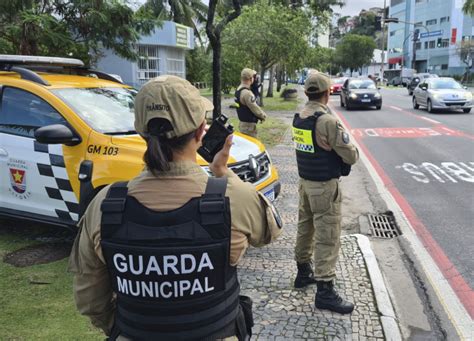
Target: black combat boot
(328, 298)
(305, 275)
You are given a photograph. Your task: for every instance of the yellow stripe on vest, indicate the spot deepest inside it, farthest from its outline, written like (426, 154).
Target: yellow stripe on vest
(303, 140)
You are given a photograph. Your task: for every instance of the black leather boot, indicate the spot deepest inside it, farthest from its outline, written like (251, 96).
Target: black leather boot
(328, 298)
(305, 275)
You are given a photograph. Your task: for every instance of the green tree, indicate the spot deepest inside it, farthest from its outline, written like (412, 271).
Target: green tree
(365, 24)
(269, 34)
(186, 12)
(198, 65)
(76, 28)
(468, 7)
(322, 59)
(355, 51)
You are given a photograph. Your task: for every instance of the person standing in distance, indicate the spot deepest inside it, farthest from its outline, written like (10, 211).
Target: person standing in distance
(248, 110)
(324, 153)
(155, 258)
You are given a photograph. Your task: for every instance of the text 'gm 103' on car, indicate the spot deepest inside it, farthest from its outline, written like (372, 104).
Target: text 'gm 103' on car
(360, 92)
(67, 131)
(442, 93)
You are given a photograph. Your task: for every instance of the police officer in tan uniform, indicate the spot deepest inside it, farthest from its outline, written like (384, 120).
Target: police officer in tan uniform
(248, 111)
(155, 258)
(324, 153)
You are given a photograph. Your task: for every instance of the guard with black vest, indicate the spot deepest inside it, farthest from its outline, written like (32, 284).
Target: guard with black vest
(156, 257)
(324, 153)
(248, 111)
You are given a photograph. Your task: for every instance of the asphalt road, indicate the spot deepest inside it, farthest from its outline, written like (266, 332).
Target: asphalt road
(429, 159)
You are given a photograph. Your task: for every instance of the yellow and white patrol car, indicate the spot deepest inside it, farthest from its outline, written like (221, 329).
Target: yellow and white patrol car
(67, 131)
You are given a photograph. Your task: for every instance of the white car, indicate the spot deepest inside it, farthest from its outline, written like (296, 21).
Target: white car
(442, 93)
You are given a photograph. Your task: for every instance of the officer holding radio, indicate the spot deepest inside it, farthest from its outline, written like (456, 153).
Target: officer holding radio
(155, 258)
(248, 111)
(324, 153)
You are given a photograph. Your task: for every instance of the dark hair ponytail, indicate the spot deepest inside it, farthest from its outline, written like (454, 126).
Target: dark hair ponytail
(159, 152)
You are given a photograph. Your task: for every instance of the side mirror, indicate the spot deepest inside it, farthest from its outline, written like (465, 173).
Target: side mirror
(57, 134)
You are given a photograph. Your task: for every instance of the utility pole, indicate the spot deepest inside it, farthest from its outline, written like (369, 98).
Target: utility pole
(416, 36)
(383, 42)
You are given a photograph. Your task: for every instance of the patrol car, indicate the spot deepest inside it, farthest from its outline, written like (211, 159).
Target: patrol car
(67, 131)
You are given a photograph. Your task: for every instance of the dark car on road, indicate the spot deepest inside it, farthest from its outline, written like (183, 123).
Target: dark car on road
(360, 92)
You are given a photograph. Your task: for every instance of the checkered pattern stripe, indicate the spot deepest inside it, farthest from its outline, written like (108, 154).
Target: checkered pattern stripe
(307, 148)
(57, 185)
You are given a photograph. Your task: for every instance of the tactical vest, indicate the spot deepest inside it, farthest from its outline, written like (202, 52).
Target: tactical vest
(314, 163)
(170, 270)
(243, 111)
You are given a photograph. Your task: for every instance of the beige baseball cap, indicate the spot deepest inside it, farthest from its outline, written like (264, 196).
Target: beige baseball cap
(174, 99)
(317, 82)
(247, 73)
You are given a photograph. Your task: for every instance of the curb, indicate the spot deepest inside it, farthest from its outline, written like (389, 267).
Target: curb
(384, 304)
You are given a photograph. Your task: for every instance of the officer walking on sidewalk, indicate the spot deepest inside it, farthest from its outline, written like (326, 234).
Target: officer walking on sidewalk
(324, 153)
(155, 258)
(248, 110)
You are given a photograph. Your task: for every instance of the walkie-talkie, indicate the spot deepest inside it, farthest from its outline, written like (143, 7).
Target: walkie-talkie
(215, 138)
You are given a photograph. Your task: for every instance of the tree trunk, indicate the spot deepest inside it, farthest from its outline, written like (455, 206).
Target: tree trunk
(279, 78)
(262, 79)
(270, 83)
(216, 77)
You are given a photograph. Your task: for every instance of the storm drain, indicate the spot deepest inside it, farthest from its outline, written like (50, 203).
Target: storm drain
(383, 226)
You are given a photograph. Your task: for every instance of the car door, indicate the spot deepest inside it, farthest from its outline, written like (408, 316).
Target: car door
(32, 173)
(419, 93)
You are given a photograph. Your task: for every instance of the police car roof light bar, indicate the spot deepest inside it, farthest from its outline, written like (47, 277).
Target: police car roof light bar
(39, 60)
(24, 73)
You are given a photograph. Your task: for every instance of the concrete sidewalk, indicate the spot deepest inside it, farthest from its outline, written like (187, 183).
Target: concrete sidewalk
(284, 313)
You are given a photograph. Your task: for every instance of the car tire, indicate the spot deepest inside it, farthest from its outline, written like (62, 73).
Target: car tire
(415, 103)
(466, 111)
(348, 107)
(342, 103)
(429, 106)
(410, 93)
(378, 107)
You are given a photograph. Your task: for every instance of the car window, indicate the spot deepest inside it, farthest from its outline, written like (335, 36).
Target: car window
(106, 110)
(441, 83)
(21, 113)
(361, 84)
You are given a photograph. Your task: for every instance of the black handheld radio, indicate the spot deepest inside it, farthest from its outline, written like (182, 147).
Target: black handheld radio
(215, 138)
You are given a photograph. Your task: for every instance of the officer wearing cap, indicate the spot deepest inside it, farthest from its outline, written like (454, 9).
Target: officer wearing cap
(155, 258)
(248, 111)
(324, 153)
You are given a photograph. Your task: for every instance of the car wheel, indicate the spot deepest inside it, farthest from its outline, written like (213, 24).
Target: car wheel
(429, 106)
(342, 103)
(378, 107)
(415, 103)
(348, 107)
(466, 111)
(410, 93)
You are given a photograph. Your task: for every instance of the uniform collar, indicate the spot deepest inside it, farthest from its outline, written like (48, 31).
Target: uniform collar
(312, 106)
(179, 168)
(243, 86)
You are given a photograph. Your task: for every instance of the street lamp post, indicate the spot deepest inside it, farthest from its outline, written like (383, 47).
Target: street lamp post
(383, 42)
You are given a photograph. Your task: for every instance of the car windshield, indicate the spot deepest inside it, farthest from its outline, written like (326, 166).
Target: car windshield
(338, 81)
(445, 84)
(106, 110)
(362, 84)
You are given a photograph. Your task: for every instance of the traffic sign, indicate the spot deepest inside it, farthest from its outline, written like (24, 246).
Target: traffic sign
(431, 34)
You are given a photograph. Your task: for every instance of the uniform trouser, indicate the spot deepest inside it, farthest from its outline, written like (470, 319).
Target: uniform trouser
(319, 226)
(248, 128)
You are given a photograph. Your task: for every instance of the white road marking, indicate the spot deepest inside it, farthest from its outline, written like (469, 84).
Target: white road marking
(456, 312)
(429, 120)
(396, 108)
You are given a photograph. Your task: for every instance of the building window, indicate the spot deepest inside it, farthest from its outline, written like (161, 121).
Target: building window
(432, 44)
(148, 63)
(392, 33)
(418, 1)
(443, 19)
(419, 24)
(426, 45)
(418, 46)
(445, 42)
(175, 64)
(431, 22)
(444, 66)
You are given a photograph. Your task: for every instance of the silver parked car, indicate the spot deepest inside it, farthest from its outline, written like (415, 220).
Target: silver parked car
(442, 93)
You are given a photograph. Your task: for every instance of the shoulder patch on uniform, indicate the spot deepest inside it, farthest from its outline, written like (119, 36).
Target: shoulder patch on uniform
(345, 137)
(253, 99)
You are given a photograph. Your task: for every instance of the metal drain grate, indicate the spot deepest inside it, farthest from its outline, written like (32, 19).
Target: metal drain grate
(383, 226)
